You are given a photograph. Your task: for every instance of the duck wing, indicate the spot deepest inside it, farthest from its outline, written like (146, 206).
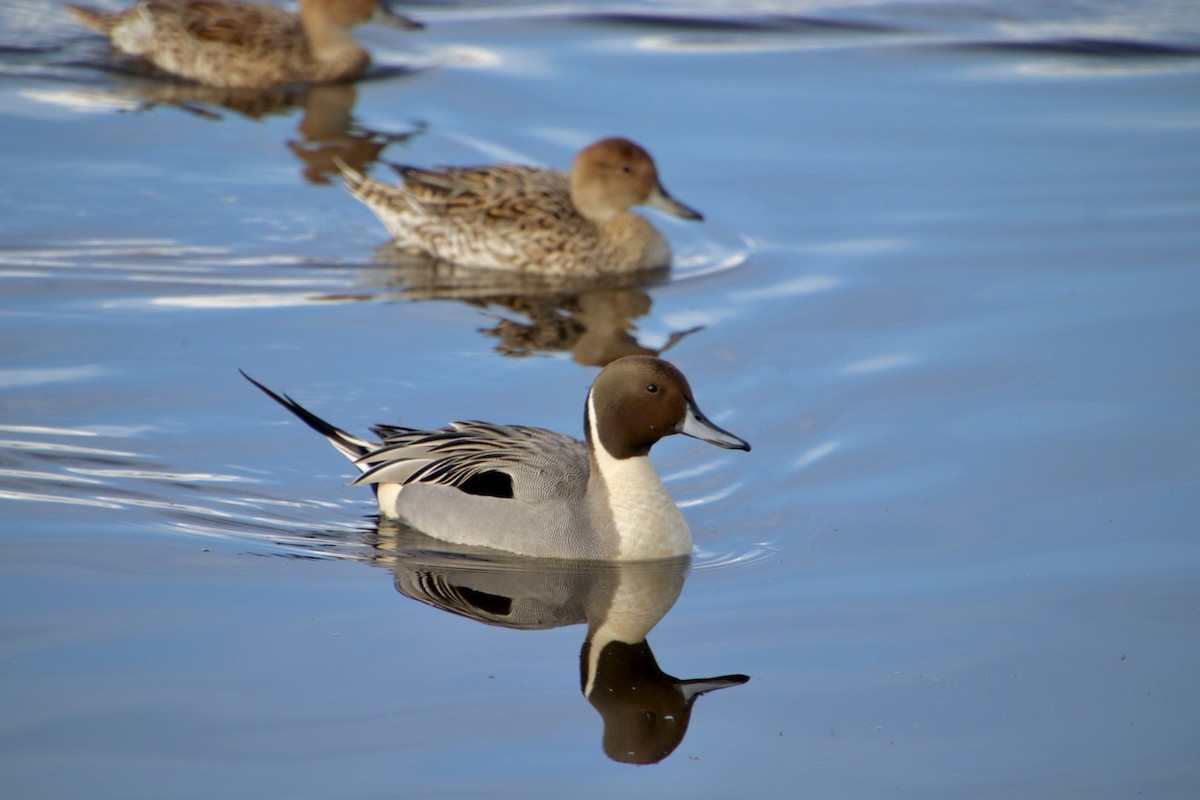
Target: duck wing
(497, 193)
(238, 25)
(481, 458)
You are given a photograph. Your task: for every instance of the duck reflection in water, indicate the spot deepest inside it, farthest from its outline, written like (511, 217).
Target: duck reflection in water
(330, 135)
(257, 60)
(593, 319)
(646, 712)
(328, 132)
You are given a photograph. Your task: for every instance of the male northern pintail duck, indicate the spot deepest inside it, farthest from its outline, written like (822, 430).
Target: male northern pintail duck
(235, 45)
(536, 492)
(531, 219)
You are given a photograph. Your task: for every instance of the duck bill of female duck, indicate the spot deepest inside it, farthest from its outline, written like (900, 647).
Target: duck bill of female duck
(386, 14)
(698, 426)
(659, 198)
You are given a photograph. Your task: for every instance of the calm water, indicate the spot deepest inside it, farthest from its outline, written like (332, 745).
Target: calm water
(947, 286)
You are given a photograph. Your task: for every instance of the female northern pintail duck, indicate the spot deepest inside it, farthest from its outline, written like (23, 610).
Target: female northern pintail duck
(531, 219)
(235, 45)
(535, 492)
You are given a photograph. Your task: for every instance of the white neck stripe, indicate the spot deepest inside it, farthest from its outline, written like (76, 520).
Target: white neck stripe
(647, 521)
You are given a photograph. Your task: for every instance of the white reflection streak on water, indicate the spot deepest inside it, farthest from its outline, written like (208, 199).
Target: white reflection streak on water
(56, 498)
(198, 477)
(855, 247)
(462, 56)
(879, 363)
(1061, 68)
(54, 447)
(805, 284)
(491, 151)
(704, 264)
(695, 317)
(702, 468)
(711, 497)
(125, 431)
(91, 248)
(82, 101)
(283, 300)
(815, 453)
(221, 280)
(255, 502)
(50, 476)
(167, 505)
(731, 44)
(40, 376)
(47, 431)
(190, 265)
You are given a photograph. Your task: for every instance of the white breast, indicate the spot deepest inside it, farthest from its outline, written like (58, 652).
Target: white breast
(648, 523)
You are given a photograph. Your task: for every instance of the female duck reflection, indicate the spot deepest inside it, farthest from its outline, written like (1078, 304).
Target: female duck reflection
(596, 321)
(645, 711)
(328, 132)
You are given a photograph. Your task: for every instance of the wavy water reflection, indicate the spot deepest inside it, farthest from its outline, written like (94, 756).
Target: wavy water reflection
(645, 711)
(947, 281)
(47, 467)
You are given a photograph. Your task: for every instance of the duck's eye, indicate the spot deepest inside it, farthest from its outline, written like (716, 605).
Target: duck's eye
(626, 169)
(652, 388)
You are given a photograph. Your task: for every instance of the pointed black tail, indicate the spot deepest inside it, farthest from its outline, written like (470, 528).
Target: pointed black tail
(348, 445)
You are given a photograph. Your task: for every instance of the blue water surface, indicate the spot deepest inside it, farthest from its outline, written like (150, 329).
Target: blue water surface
(947, 286)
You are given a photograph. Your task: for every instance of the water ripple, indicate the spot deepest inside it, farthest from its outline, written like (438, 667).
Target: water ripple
(705, 559)
(70, 500)
(42, 376)
(45, 469)
(59, 447)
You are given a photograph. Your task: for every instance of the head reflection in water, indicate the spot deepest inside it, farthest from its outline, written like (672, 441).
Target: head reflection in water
(645, 710)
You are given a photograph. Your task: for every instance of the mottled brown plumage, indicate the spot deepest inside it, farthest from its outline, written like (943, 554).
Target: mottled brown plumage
(236, 45)
(531, 219)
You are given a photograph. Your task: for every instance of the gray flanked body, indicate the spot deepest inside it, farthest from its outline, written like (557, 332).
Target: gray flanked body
(438, 482)
(536, 492)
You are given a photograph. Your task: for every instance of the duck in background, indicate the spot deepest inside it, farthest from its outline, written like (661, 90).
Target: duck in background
(531, 219)
(234, 45)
